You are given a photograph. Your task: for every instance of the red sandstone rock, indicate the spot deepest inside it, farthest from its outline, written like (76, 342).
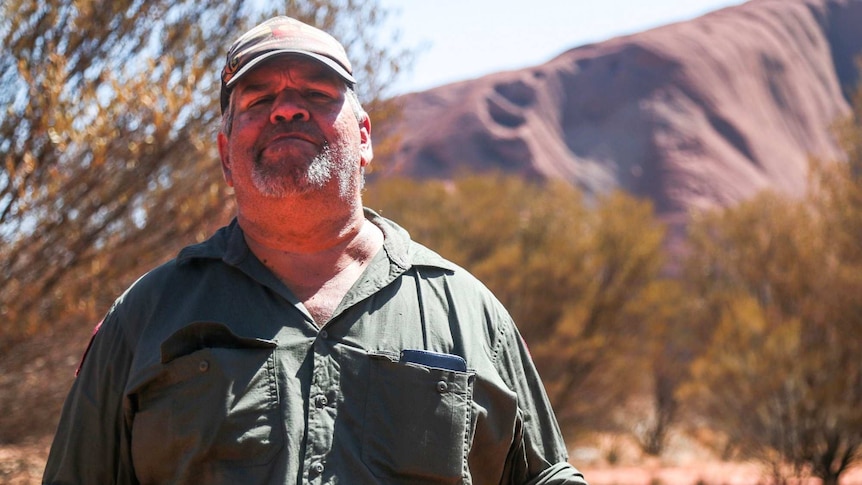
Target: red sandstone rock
(694, 114)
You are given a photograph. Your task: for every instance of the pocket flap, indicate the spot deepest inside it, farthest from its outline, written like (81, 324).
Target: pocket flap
(203, 335)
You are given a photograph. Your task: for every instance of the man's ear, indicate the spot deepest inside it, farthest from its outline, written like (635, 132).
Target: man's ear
(225, 158)
(366, 151)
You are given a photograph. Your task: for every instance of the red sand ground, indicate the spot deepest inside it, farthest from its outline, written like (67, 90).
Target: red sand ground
(695, 474)
(23, 464)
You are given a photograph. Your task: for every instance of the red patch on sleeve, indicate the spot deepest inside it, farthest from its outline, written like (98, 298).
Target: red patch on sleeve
(87, 350)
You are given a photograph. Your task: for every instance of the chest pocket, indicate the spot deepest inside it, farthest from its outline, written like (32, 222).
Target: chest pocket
(417, 422)
(213, 401)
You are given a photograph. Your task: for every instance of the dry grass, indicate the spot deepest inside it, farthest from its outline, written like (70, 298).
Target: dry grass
(707, 473)
(35, 376)
(22, 464)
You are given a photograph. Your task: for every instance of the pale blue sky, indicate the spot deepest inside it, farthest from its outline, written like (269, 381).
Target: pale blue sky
(464, 39)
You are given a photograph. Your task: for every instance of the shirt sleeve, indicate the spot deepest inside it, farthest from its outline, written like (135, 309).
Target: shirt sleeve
(538, 455)
(92, 440)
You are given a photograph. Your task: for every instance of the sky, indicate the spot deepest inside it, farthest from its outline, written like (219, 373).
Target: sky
(465, 39)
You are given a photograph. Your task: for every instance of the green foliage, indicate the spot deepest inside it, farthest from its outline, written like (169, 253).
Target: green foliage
(780, 377)
(107, 139)
(574, 277)
(671, 338)
(779, 281)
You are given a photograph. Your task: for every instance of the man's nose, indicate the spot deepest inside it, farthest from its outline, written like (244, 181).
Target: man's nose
(288, 106)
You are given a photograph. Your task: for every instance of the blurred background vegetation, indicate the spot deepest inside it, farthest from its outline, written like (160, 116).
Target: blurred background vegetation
(744, 332)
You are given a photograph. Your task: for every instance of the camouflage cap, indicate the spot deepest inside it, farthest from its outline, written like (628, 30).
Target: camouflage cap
(278, 36)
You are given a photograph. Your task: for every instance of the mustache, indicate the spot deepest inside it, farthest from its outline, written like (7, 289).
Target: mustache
(299, 129)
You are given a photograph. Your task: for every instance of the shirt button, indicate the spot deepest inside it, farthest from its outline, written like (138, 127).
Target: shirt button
(204, 366)
(442, 387)
(323, 334)
(318, 468)
(320, 401)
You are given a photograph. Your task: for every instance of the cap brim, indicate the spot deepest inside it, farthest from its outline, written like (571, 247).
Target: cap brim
(342, 73)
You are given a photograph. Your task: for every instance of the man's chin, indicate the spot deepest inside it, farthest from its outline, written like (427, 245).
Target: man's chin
(280, 187)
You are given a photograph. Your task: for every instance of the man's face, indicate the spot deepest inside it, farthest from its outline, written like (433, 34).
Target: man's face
(293, 132)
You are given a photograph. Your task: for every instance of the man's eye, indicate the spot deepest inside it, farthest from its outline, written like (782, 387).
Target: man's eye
(320, 95)
(260, 100)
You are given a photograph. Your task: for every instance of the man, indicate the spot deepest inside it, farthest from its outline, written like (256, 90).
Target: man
(310, 341)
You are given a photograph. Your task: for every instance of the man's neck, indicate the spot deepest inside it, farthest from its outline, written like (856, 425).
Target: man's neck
(318, 257)
(303, 231)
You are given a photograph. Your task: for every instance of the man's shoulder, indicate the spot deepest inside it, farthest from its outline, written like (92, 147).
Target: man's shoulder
(223, 243)
(182, 269)
(421, 255)
(460, 280)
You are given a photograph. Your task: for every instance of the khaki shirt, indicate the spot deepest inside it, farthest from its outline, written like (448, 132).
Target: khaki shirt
(208, 370)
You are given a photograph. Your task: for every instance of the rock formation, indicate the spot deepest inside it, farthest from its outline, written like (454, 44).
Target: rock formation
(691, 115)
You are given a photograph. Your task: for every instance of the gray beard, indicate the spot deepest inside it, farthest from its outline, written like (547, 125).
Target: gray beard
(339, 162)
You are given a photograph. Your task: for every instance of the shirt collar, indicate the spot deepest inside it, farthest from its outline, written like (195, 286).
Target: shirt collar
(401, 250)
(228, 244)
